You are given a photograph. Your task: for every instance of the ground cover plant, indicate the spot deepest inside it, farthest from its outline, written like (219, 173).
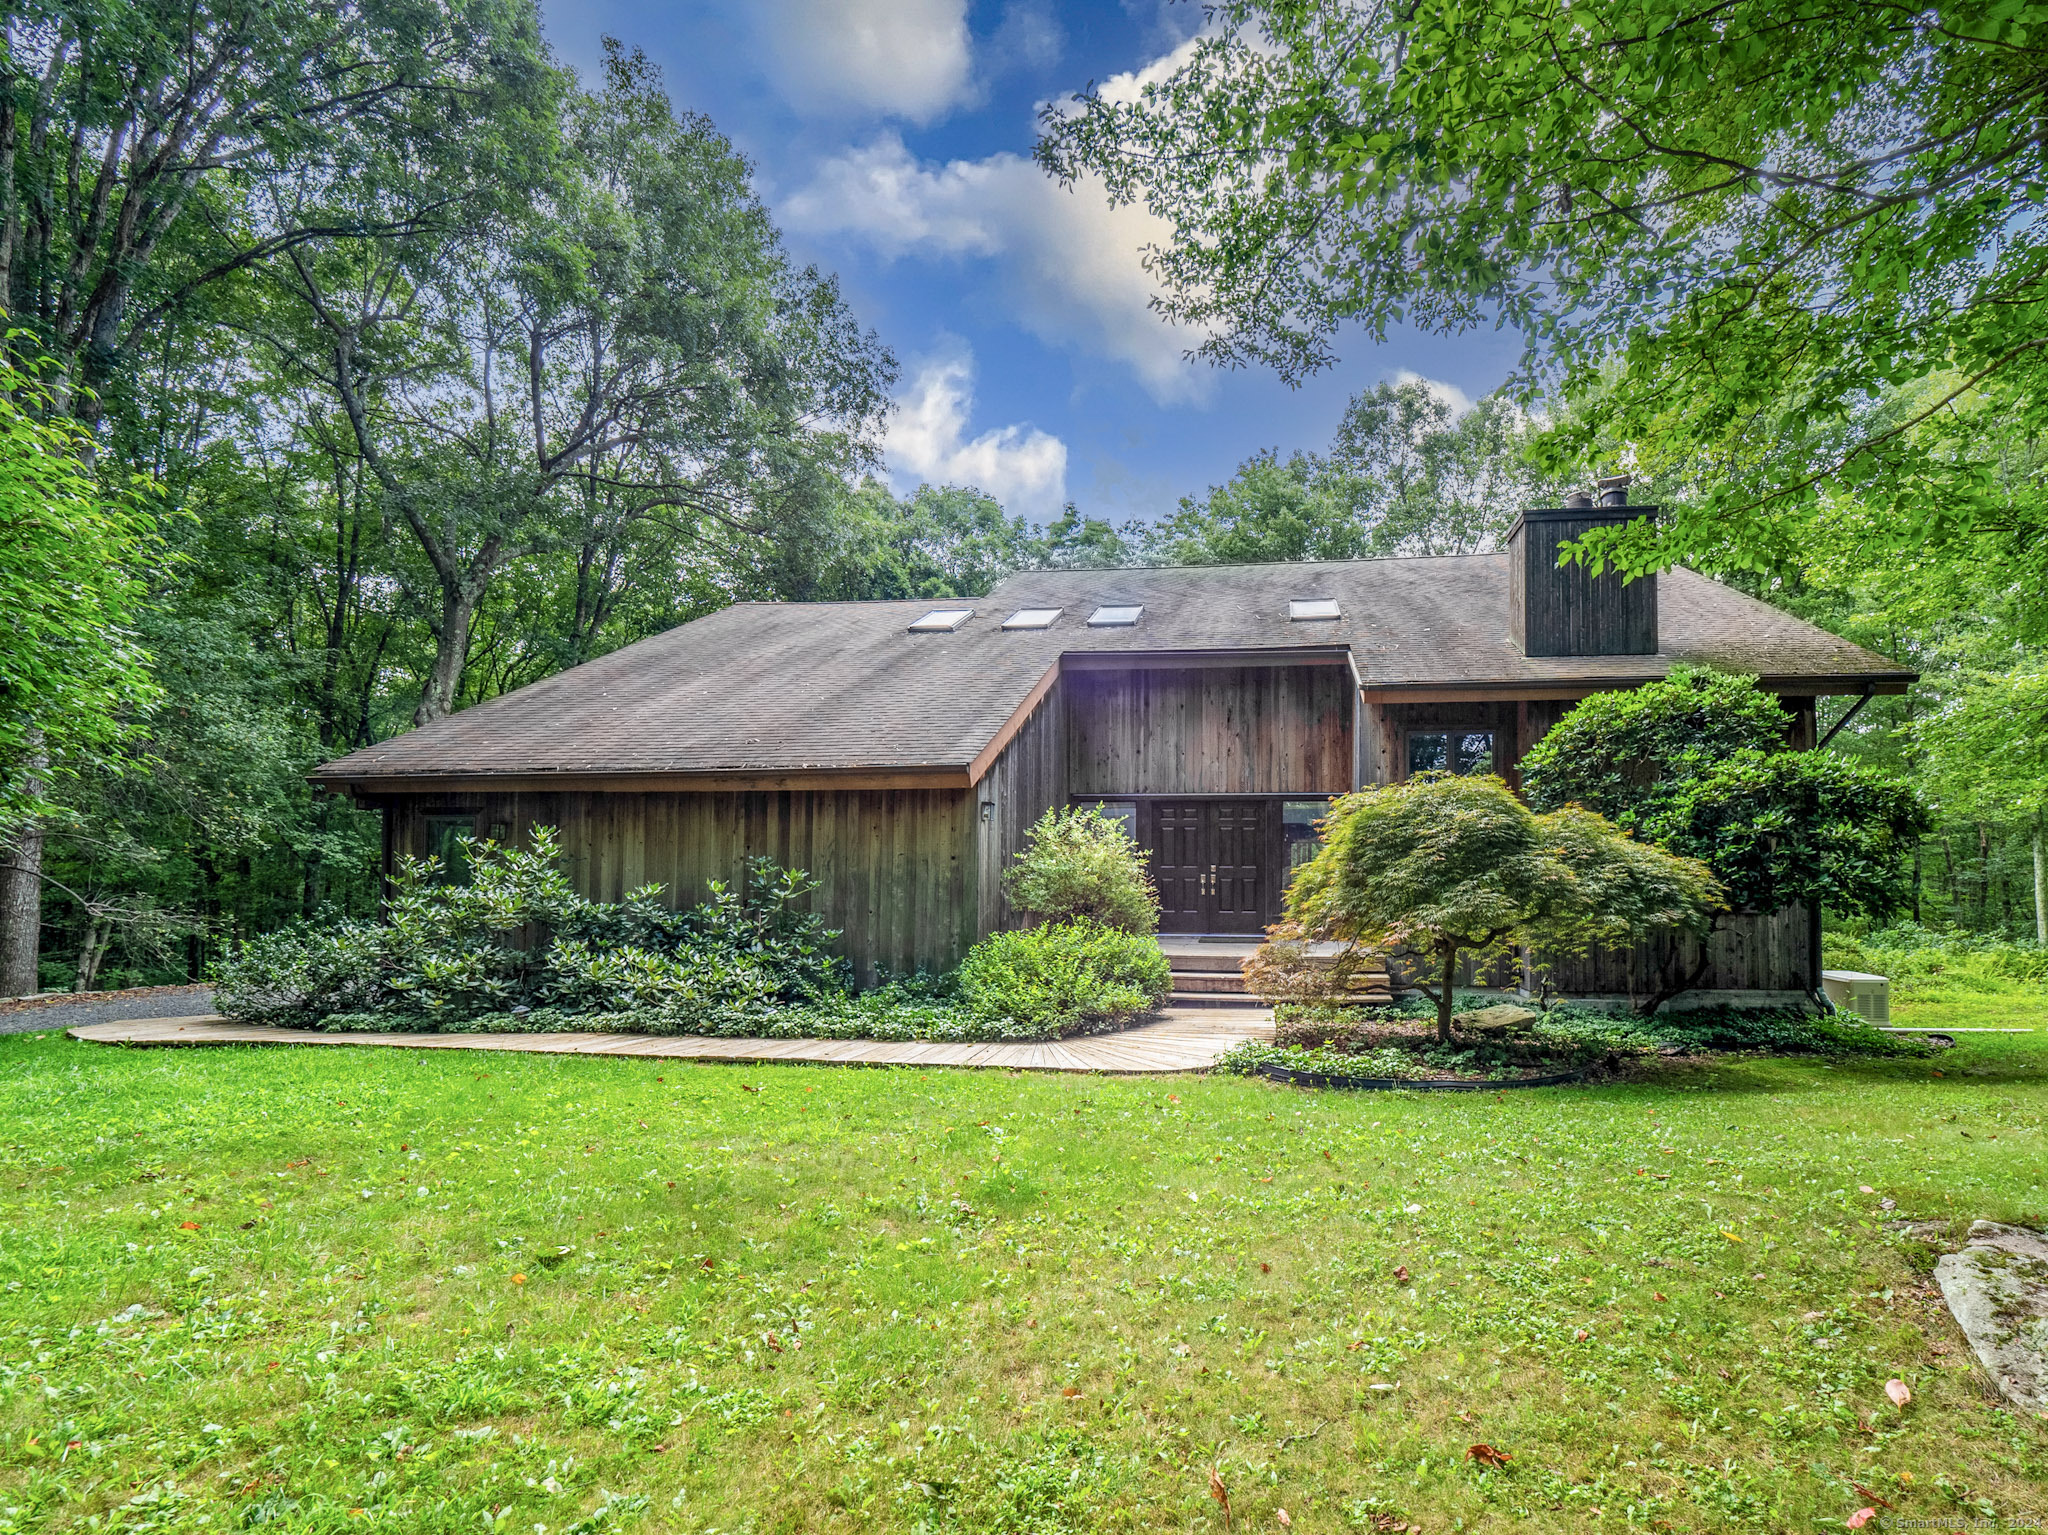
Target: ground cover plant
(510, 947)
(1501, 1041)
(322, 1289)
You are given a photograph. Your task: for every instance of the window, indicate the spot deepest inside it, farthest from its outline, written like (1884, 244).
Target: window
(445, 831)
(1301, 832)
(1113, 618)
(1032, 618)
(942, 621)
(1121, 811)
(1450, 751)
(1302, 609)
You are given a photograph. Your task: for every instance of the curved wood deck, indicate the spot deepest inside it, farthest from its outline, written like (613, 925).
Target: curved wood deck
(1178, 1040)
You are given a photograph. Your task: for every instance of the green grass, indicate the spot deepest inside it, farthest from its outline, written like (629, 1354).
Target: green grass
(281, 1289)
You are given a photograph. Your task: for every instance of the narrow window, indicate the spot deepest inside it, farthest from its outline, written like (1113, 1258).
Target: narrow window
(942, 621)
(1301, 831)
(445, 831)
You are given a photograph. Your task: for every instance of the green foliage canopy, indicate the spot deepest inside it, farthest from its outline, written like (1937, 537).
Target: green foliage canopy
(1730, 234)
(1699, 764)
(73, 681)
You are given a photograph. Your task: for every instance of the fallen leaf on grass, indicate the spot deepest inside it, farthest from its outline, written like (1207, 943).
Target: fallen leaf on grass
(1071, 1391)
(1285, 1522)
(1487, 1455)
(1657, 1295)
(1401, 1271)
(1898, 1391)
(1870, 1497)
(1860, 1518)
(188, 1225)
(748, 1087)
(519, 1279)
(1221, 1494)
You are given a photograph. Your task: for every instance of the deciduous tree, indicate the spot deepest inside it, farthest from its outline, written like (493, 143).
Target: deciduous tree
(1444, 867)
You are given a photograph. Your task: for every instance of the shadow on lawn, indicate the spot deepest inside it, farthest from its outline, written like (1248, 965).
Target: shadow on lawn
(1738, 1074)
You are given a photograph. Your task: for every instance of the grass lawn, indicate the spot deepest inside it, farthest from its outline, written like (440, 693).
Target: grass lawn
(323, 1289)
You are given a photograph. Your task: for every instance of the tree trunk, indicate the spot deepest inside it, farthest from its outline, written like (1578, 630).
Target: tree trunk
(1443, 997)
(451, 651)
(21, 896)
(2040, 890)
(99, 932)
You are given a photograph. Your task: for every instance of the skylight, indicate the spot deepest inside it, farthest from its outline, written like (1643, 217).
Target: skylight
(1032, 618)
(942, 621)
(1313, 607)
(1113, 618)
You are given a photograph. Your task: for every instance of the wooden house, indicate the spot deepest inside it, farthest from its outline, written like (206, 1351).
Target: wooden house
(900, 751)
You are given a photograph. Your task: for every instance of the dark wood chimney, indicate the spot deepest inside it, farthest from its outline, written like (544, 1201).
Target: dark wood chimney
(1567, 610)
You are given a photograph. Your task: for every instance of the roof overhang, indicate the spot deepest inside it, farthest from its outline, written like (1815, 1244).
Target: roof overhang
(457, 785)
(1583, 687)
(1156, 660)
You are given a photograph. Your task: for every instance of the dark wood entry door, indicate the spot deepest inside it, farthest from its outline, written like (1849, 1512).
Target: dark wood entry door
(1212, 864)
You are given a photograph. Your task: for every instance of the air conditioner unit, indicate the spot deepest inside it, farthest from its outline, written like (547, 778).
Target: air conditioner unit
(1851, 991)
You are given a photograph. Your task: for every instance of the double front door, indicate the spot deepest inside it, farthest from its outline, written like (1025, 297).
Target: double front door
(1213, 862)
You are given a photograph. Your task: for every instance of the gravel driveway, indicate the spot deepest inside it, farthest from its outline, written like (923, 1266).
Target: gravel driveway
(104, 1007)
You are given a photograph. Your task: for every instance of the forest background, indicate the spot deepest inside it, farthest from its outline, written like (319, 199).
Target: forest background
(363, 363)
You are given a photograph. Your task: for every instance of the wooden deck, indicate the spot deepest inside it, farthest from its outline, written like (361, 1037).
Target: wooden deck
(1178, 1040)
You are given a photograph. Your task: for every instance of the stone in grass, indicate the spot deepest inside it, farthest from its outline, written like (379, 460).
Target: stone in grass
(1997, 1290)
(1496, 1022)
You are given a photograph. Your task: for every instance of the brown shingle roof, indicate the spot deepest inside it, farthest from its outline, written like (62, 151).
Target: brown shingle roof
(796, 687)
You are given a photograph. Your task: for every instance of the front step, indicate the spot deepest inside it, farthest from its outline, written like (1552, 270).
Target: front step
(1230, 999)
(1222, 959)
(1207, 980)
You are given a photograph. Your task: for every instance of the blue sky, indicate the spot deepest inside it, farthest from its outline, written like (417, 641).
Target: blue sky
(893, 140)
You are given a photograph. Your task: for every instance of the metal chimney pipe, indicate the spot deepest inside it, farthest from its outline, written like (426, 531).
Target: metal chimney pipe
(1614, 489)
(1577, 499)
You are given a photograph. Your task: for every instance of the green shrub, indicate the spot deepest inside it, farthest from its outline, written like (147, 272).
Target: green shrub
(897, 1011)
(517, 938)
(1078, 865)
(1064, 976)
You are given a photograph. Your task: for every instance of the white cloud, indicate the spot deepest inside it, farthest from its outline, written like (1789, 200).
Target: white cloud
(912, 59)
(1022, 467)
(1028, 37)
(1068, 265)
(1449, 394)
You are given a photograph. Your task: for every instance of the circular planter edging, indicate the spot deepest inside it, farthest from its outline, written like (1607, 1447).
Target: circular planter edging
(1299, 1078)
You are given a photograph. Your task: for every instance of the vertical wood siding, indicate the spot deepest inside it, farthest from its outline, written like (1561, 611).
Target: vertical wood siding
(896, 866)
(1749, 953)
(1028, 778)
(1217, 730)
(1569, 611)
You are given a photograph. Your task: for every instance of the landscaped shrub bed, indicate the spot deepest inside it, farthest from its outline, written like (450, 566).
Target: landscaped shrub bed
(517, 950)
(1400, 1041)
